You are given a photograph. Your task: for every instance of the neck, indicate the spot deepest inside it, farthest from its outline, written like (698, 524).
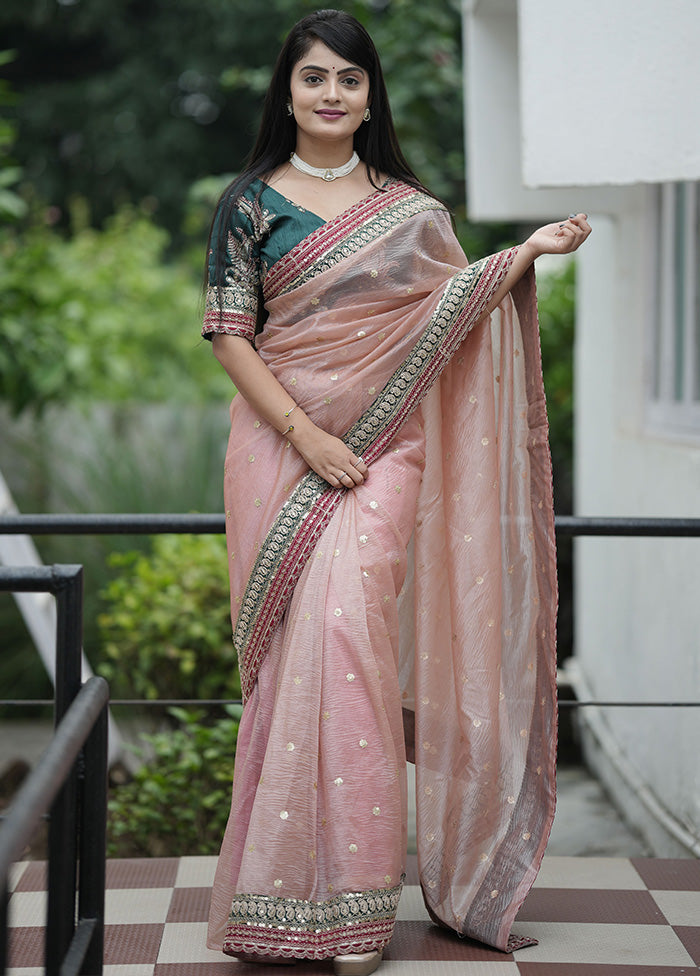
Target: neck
(323, 154)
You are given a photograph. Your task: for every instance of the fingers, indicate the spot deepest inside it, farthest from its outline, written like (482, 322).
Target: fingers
(574, 231)
(353, 473)
(360, 465)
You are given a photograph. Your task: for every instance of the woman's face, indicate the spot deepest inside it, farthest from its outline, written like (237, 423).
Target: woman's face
(329, 95)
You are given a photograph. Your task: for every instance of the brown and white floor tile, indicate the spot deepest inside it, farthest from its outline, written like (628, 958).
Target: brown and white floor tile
(593, 917)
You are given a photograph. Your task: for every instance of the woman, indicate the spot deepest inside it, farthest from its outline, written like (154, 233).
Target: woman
(390, 532)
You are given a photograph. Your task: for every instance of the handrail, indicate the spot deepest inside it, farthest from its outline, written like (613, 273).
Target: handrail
(221, 702)
(576, 525)
(76, 790)
(121, 524)
(83, 728)
(38, 791)
(208, 523)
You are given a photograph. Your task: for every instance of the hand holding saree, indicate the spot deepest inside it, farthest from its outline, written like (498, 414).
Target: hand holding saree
(428, 591)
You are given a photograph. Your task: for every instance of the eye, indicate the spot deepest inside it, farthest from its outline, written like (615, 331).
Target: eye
(312, 79)
(351, 82)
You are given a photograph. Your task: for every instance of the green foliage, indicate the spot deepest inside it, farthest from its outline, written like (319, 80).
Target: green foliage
(126, 102)
(556, 308)
(178, 801)
(556, 301)
(12, 206)
(123, 100)
(419, 46)
(166, 632)
(103, 315)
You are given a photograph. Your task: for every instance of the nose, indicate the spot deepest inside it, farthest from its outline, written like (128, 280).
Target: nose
(331, 91)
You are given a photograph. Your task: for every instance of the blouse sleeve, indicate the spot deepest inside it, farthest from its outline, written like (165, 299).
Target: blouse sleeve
(233, 291)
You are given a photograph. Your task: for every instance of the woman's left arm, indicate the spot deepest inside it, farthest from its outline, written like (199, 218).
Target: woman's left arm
(557, 238)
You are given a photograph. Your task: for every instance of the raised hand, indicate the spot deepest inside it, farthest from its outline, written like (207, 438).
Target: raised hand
(562, 237)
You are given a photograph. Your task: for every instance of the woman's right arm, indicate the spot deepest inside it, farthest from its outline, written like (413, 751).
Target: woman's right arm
(327, 455)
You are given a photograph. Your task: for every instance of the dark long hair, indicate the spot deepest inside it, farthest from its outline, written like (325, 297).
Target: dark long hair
(375, 141)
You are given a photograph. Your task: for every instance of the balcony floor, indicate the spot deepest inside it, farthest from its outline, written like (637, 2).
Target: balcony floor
(594, 916)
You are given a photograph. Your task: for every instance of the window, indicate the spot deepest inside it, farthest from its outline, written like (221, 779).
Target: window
(674, 401)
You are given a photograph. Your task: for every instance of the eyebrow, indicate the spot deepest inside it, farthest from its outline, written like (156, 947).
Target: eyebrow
(343, 71)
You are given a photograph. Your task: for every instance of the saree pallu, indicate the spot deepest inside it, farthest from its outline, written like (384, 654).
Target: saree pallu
(428, 594)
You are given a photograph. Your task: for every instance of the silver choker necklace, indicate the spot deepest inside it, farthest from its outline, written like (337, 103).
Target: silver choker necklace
(329, 174)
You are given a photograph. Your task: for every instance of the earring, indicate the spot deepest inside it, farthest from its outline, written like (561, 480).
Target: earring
(290, 110)
(367, 115)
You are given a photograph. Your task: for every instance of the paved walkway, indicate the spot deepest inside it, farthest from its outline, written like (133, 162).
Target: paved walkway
(592, 916)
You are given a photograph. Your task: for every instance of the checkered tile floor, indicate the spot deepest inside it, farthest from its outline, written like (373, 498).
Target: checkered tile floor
(593, 917)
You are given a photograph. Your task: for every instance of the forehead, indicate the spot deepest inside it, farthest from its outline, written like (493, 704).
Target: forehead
(321, 56)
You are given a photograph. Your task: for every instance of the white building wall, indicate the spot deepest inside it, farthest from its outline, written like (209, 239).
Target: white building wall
(609, 90)
(637, 600)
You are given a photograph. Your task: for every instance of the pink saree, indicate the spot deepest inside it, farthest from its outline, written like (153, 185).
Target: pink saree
(423, 600)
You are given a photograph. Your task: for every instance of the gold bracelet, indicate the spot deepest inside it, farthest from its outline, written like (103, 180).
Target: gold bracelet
(288, 430)
(291, 410)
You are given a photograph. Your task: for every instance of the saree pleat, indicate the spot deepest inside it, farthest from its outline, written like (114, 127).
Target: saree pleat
(377, 329)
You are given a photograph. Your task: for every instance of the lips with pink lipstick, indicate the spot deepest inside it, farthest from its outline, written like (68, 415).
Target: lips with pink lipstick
(330, 113)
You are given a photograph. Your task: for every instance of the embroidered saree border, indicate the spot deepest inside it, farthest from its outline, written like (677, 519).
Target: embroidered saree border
(346, 235)
(306, 513)
(230, 321)
(349, 922)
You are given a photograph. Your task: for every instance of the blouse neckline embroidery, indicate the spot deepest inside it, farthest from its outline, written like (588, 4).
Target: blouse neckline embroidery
(330, 220)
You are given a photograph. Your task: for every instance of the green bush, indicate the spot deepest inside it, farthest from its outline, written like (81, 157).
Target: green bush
(557, 292)
(179, 800)
(556, 302)
(166, 632)
(106, 315)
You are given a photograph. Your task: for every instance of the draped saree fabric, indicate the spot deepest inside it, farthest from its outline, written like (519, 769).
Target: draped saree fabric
(424, 599)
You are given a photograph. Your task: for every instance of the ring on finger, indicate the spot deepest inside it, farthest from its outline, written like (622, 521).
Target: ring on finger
(571, 216)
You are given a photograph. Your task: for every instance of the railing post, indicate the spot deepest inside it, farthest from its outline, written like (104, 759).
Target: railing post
(63, 847)
(93, 842)
(68, 587)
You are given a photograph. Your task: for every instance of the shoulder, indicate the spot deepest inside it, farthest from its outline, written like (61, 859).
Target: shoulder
(245, 215)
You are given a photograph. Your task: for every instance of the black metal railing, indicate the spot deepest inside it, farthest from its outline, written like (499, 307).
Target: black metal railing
(85, 941)
(70, 783)
(213, 524)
